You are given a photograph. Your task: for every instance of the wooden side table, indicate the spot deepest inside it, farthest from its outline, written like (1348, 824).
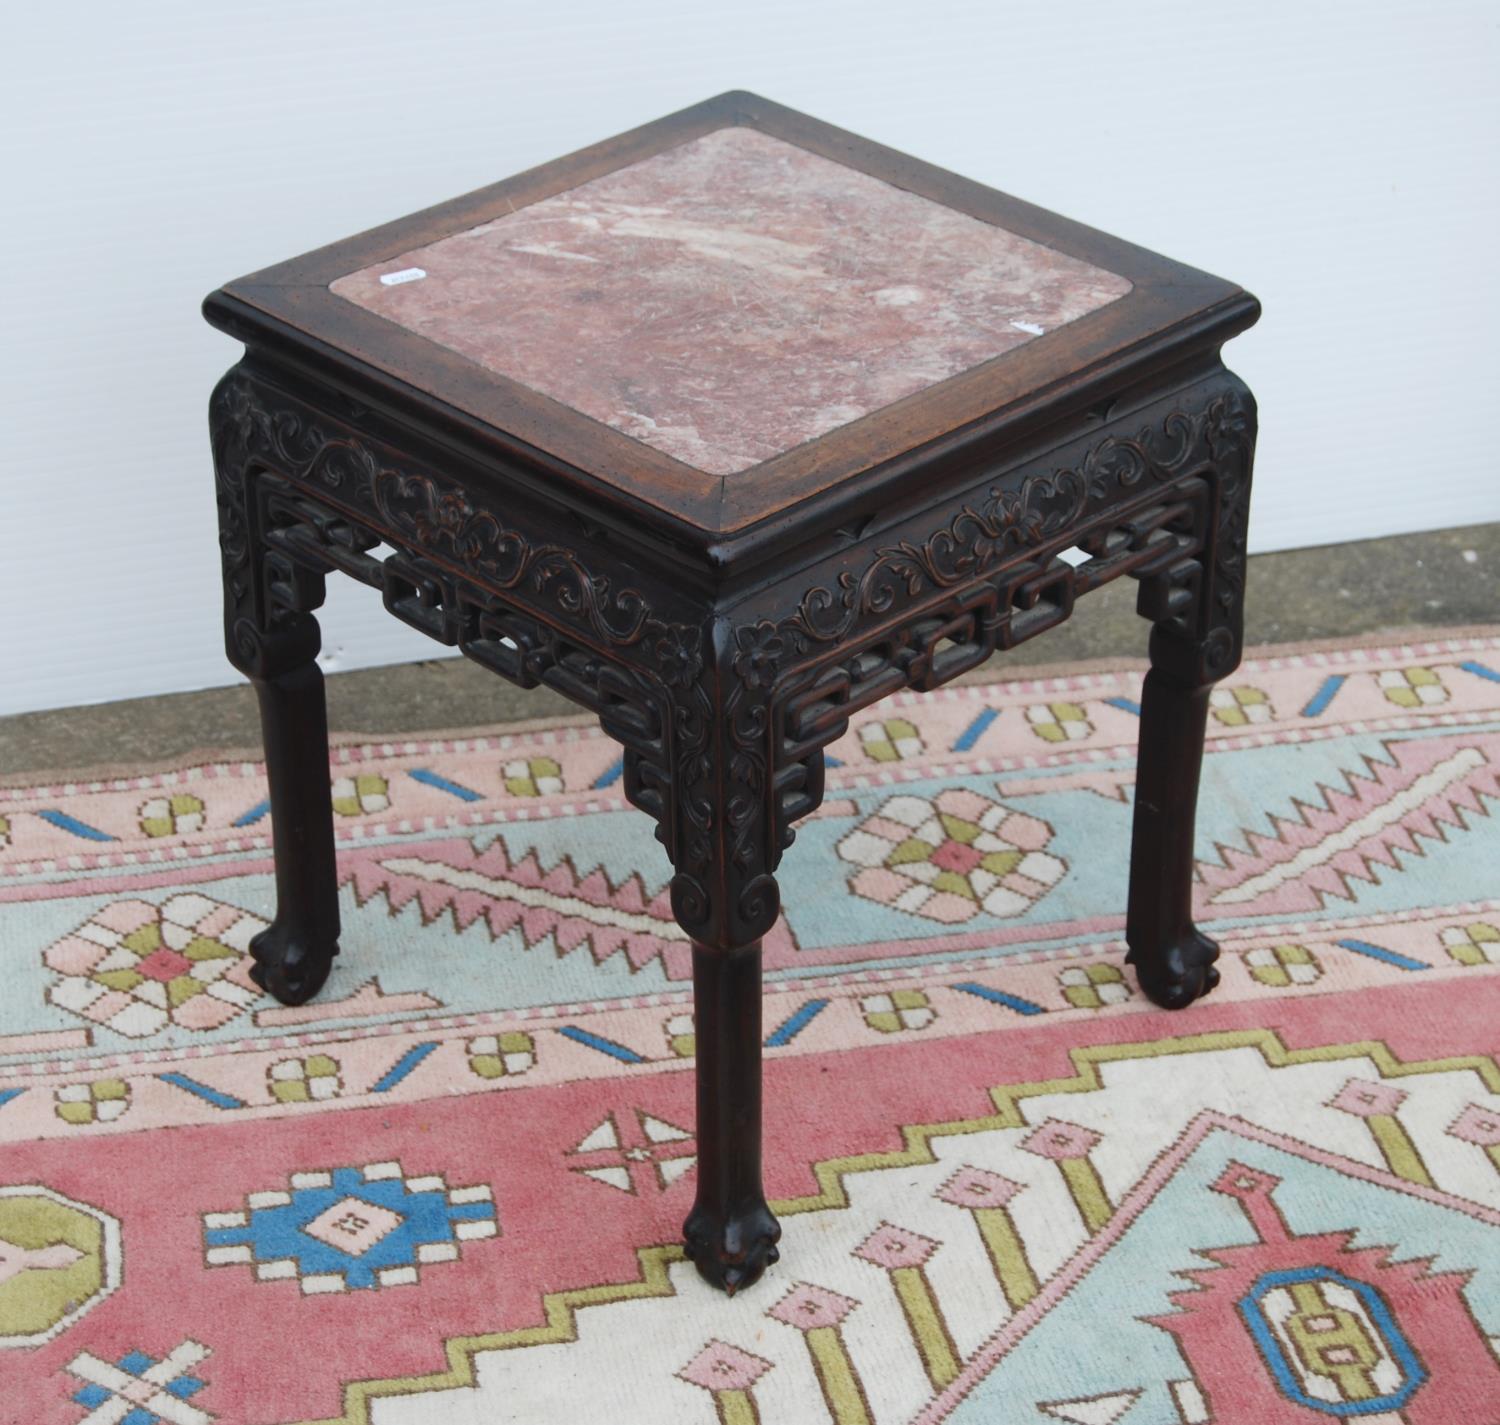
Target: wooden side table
(726, 428)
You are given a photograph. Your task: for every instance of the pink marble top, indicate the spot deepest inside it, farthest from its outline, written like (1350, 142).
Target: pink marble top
(731, 298)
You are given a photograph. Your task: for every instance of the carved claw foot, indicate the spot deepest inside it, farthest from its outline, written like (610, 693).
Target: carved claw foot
(287, 966)
(1184, 972)
(732, 1252)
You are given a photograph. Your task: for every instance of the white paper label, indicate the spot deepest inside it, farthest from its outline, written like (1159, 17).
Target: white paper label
(1030, 328)
(407, 274)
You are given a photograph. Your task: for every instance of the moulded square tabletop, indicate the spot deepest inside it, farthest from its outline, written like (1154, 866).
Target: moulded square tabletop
(734, 308)
(733, 297)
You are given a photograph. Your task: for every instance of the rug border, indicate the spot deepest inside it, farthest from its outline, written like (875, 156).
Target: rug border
(992, 672)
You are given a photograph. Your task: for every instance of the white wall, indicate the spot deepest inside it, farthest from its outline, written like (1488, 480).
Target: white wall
(1339, 159)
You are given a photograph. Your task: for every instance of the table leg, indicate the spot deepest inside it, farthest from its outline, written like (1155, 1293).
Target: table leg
(271, 636)
(730, 1234)
(294, 954)
(1172, 958)
(1197, 609)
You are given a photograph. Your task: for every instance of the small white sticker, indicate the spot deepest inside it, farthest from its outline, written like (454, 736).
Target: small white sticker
(407, 274)
(1030, 328)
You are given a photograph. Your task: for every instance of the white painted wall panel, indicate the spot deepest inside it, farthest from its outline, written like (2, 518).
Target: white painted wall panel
(1340, 159)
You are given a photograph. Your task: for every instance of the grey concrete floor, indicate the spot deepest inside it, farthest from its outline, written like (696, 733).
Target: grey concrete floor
(1449, 578)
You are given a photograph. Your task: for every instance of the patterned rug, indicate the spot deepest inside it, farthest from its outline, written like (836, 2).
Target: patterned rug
(449, 1190)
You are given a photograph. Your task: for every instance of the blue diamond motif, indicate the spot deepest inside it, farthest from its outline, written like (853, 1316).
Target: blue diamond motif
(410, 1214)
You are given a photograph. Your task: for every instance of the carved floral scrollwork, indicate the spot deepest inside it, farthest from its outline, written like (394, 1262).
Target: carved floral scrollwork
(435, 517)
(760, 650)
(1230, 435)
(976, 541)
(724, 891)
(443, 521)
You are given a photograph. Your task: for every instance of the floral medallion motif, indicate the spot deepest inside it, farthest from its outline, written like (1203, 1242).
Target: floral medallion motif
(100, 1101)
(951, 857)
(1240, 707)
(494, 1056)
(533, 777)
(1094, 986)
(139, 967)
(310, 1080)
(1412, 687)
(1059, 722)
(1281, 965)
(898, 1010)
(362, 795)
(172, 816)
(1476, 944)
(891, 740)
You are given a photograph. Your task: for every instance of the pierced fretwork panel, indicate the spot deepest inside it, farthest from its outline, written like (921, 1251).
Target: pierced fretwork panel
(961, 629)
(306, 540)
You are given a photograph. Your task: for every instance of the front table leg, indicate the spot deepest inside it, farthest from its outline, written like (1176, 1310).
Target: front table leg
(1198, 615)
(271, 636)
(730, 1234)
(294, 953)
(1173, 960)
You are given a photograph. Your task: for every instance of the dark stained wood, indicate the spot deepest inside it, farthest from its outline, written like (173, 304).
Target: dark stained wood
(294, 955)
(731, 1234)
(724, 640)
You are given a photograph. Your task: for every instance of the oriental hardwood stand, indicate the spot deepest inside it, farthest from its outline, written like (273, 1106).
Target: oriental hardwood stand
(724, 645)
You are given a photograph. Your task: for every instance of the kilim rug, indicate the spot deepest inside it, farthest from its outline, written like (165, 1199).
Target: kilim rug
(448, 1192)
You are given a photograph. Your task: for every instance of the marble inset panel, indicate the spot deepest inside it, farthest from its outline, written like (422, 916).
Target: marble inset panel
(728, 299)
